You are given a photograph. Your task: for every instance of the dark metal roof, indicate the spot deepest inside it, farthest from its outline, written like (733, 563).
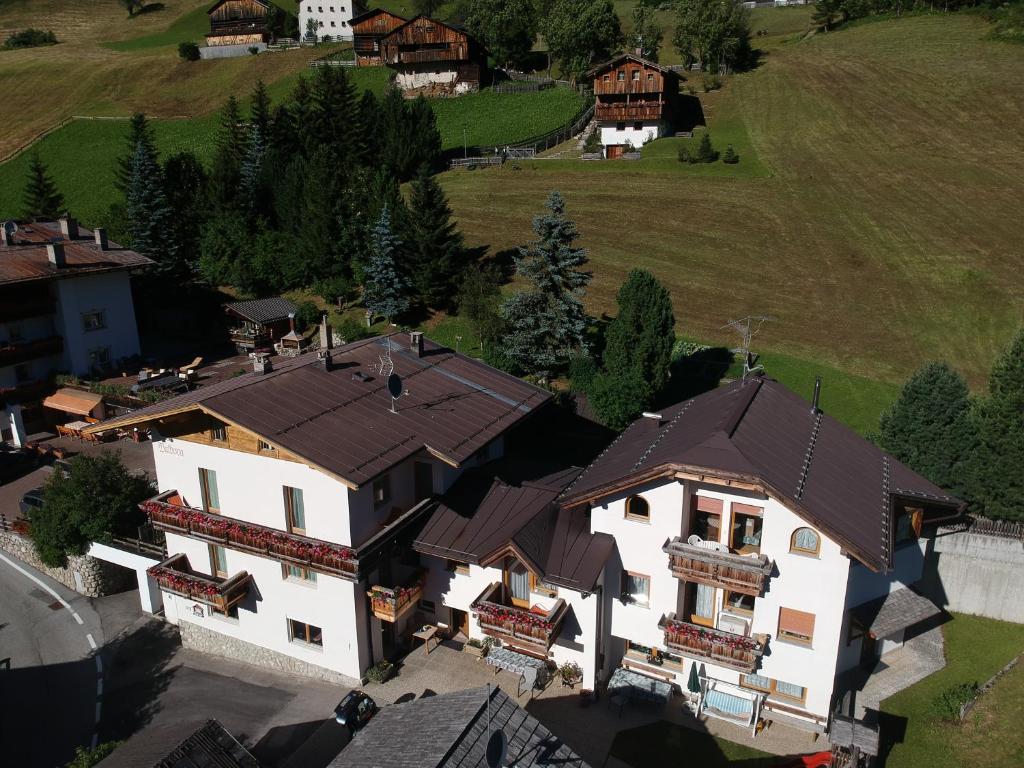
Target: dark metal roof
(26, 260)
(342, 422)
(189, 744)
(451, 731)
(759, 431)
(263, 310)
(612, 62)
(891, 613)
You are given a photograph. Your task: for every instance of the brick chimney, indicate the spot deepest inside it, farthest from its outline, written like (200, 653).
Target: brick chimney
(416, 342)
(100, 236)
(326, 335)
(55, 253)
(69, 227)
(323, 356)
(261, 363)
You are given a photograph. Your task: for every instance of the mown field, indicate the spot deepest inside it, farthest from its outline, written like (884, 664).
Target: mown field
(884, 231)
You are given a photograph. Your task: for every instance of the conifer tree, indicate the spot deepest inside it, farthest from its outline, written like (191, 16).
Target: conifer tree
(436, 249)
(231, 142)
(139, 132)
(149, 214)
(929, 427)
(547, 324)
(334, 120)
(996, 478)
(251, 194)
(42, 199)
(259, 109)
(385, 289)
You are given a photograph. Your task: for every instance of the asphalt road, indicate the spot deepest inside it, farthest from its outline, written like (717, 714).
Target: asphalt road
(50, 680)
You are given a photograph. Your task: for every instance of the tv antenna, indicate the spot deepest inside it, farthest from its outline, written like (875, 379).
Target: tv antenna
(747, 327)
(386, 369)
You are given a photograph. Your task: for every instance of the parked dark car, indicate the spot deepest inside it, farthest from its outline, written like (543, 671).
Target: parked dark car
(355, 710)
(31, 501)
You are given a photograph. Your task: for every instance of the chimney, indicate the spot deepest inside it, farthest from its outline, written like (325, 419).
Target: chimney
(817, 395)
(291, 322)
(326, 336)
(261, 363)
(8, 234)
(55, 253)
(416, 342)
(100, 235)
(69, 227)
(323, 356)
(654, 417)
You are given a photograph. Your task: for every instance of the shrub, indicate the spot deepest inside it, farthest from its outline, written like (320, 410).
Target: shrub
(593, 142)
(705, 151)
(87, 758)
(308, 314)
(685, 155)
(570, 671)
(30, 38)
(350, 329)
(730, 157)
(254, 50)
(582, 370)
(949, 701)
(691, 90)
(380, 672)
(188, 51)
(711, 83)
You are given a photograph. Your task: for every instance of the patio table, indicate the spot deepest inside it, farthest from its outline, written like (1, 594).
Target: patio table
(532, 672)
(639, 687)
(76, 427)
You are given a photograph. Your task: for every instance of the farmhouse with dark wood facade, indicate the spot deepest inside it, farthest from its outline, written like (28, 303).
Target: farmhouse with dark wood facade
(238, 22)
(426, 54)
(637, 100)
(368, 29)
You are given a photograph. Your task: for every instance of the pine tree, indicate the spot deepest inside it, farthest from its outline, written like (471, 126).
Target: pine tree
(929, 427)
(232, 141)
(259, 109)
(251, 194)
(436, 249)
(705, 151)
(149, 215)
(41, 200)
(334, 120)
(547, 324)
(996, 478)
(139, 132)
(386, 291)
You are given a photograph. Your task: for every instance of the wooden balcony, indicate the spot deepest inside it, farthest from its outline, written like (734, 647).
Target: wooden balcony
(746, 574)
(519, 626)
(712, 645)
(19, 351)
(425, 56)
(12, 309)
(620, 112)
(391, 603)
(602, 88)
(27, 390)
(246, 338)
(175, 575)
(168, 513)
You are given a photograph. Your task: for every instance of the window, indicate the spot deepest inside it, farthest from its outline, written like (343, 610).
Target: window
(265, 446)
(776, 689)
(757, 682)
(637, 508)
(319, 9)
(636, 75)
(543, 588)
(218, 433)
(700, 604)
(638, 126)
(519, 579)
(333, 24)
(650, 77)
(636, 588)
(707, 518)
(620, 76)
(607, 78)
(99, 356)
(309, 9)
(218, 561)
(790, 691)
(428, 606)
(298, 573)
(739, 603)
(295, 510)
(381, 490)
(805, 542)
(332, 9)
(305, 633)
(455, 566)
(620, 126)
(93, 321)
(796, 626)
(746, 529)
(208, 488)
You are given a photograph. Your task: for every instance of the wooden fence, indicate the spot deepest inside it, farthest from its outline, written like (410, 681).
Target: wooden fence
(1002, 529)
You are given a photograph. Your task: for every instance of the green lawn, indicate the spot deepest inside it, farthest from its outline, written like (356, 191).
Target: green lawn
(487, 119)
(976, 649)
(667, 745)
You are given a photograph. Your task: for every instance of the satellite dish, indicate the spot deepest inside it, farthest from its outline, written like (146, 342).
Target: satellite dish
(497, 749)
(395, 386)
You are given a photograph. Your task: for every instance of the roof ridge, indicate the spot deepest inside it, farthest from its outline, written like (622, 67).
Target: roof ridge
(735, 416)
(661, 435)
(809, 455)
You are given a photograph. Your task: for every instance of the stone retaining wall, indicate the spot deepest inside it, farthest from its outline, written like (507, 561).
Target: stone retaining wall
(86, 575)
(205, 640)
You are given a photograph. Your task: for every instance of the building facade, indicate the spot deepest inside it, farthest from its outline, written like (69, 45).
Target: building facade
(238, 22)
(325, 20)
(429, 54)
(368, 29)
(636, 102)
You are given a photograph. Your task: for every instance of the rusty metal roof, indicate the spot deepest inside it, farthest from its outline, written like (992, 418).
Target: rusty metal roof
(341, 420)
(760, 431)
(27, 260)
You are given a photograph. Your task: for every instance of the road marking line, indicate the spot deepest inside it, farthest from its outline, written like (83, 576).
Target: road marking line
(78, 618)
(97, 711)
(99, 664)
(92, 643)
(99, 687)
(95, 739)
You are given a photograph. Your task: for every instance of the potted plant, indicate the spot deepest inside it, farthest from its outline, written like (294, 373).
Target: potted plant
(380, 672)
(571, 673)
(475, 648)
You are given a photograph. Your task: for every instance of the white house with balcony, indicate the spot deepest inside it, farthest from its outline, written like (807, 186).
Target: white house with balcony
(328, 19)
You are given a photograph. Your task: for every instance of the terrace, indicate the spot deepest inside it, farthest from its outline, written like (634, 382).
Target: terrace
(391, 603)
(175, 575)
(168, 512)
(524, 627)
(726, 649)
(711, 563)
(16, 352)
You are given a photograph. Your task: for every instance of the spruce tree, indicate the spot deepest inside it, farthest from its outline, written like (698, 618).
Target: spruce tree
(334, 119)
(929, 427)
(259, 109)
(547, 324)
(41, 200)
(149, 214)
(385, 289)
(139, 132)
(250, 190)
(997, 479)
(437, 253)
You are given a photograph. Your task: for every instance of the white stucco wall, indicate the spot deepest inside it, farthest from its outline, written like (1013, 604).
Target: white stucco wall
(332, 18)
(650, 130)
(109, 293)
(408, 80)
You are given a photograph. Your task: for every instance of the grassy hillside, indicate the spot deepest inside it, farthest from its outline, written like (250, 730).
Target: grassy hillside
(887, 232)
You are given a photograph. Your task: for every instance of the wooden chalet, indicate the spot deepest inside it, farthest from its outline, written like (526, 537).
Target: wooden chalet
(368, 29)
(636, 101)
(429, 54)
(238, 22)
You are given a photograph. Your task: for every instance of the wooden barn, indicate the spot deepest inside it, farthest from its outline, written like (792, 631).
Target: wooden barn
(637, 101)
(238, 22)
(368, 29)
(428, 54)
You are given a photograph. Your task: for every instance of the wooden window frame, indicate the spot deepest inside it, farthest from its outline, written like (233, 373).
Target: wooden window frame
(785, 697)
(745, 612)
(204, 489)
(916, 516)
(427, 605)
(289, 511)
(636, 76)
(305, 575)
(737, 510)
(506, 576)
(219, 433)
(816, 552)
(696, 510)
(752, 687)
(690, 605)
(795, 639)
(630, 515)
(264, 446)
(620, 76)
(625, 574)
(214, 569)
(773, 692)
(307, 632)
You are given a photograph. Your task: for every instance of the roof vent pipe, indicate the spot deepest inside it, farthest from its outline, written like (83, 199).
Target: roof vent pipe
(324, 357)
(291, 322)
(55, 253)
(416, 342)
(261, 363)
(817, 394)
(655, 417)
(100, 236)
(69, 227)
(326, 336)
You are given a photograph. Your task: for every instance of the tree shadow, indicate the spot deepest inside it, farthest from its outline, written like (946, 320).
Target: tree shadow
(150, 8)
(696, 373)
(689, 114)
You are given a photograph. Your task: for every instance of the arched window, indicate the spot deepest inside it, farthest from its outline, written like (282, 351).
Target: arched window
(637, 508)
(805, 541)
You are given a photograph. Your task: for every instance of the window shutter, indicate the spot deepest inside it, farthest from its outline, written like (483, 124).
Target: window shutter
(796, 622)
(746, 509)
(705, 504)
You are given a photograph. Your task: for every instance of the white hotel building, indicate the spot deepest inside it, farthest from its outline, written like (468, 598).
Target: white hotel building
(331, 18)
(742, 542)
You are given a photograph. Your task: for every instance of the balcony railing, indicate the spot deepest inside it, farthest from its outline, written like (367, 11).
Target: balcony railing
(698, 563)
(455, 53)
(391, 603)
(714, 645)
(602, 88)
(27, 390)
(20, 351)
(169, 513)
(628, 112)
(515, 625)
(176, 576)
(11, 309)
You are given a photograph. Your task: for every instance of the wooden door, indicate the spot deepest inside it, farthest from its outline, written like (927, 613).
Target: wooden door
(614, 151)
(460, 621)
